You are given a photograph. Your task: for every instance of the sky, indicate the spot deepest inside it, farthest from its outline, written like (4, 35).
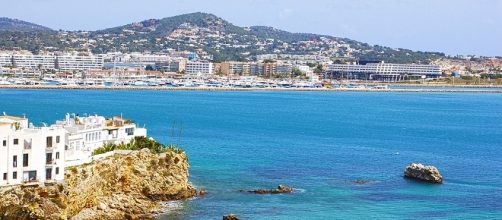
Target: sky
(464, 27)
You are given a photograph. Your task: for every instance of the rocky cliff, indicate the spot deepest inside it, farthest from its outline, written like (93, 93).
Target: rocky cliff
(123, 186)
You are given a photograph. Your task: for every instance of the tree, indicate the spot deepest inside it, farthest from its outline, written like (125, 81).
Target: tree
(297, 72)
(319, 68)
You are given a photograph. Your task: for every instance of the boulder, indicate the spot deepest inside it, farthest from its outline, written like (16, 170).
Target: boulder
(423, 173)
(230, 217)
(280, 189)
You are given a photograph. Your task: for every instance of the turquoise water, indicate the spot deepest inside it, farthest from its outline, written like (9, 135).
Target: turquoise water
(316, 142)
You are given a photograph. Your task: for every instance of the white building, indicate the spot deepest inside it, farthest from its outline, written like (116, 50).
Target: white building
(86, 134)
(199, 67)
(63, 62)
(40, 154)
(385, 71)
(30, 154)
(69, 62)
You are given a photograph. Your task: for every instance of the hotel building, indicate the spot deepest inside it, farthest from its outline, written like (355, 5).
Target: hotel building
(383, 71)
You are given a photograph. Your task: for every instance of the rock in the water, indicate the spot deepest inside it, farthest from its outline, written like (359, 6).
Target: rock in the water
(202, 193)
(278, 190)
(423, 173)
(360, 181)
(230, 217)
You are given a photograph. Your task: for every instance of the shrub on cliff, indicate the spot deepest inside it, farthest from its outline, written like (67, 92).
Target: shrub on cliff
(138, 143)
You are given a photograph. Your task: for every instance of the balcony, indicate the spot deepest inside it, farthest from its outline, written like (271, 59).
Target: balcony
(27, 145)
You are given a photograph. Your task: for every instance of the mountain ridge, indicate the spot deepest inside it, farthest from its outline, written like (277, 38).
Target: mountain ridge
(12, 24)
(210, 36)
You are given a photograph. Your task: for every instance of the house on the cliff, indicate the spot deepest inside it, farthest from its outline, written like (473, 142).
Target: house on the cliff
(86, 134)
(30, 154)
(40, 154)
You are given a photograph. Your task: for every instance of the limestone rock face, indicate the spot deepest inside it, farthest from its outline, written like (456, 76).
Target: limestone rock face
(33, 202)
(123, 186)
(423, 173)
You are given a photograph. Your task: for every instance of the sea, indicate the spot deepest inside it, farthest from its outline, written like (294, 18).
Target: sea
(343, 152)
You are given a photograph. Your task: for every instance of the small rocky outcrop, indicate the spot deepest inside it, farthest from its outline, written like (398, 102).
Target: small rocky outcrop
(424, 173)
(360, 181)
(279, 190)
(123, 186)
(230, 217)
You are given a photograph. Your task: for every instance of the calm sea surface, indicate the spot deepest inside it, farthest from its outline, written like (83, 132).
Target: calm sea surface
(317, 142)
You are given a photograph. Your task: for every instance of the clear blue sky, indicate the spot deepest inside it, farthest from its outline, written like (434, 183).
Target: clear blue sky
(450, 26)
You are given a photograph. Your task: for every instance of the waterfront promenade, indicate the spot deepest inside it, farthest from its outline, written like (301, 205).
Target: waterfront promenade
(400, 88)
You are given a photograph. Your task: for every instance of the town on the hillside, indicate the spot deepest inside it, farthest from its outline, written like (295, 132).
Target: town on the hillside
(188, 69)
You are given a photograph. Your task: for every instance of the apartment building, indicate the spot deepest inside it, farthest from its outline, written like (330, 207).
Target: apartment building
(40, 154)
(86, 134)
(30, 154)
(63, 62)
(237, 68)
(199, 67)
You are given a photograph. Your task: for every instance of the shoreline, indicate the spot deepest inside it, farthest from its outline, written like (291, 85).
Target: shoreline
(447, 89)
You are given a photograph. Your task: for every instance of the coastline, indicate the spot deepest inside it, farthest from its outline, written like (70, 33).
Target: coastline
(433, 88)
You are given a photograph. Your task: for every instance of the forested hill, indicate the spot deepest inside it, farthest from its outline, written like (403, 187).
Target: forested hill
(206, 34)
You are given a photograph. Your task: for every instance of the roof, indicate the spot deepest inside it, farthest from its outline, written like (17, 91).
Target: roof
(13, 118)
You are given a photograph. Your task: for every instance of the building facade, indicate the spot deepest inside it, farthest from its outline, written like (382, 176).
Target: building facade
(30, 154)
(199, 67)
(64, 62)
(383, 71)
(86, 134)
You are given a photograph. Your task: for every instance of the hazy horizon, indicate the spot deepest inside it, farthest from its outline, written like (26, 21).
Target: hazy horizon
(454, 27)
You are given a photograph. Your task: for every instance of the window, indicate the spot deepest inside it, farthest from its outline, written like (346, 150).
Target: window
(129, 131)
(16, 141)
(48, 173)
(4, 176)
(57, 155)
(48, 158)
(57, 170)
(14, 175)
(14, 161)
(57, 139)
(4, 143)
(49, 142)
(25, 160)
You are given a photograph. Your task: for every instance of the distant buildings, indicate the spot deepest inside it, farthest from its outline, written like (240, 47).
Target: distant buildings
(256, 69)
(63, 62)
(40, 154)
(383, 71)
(199, 67)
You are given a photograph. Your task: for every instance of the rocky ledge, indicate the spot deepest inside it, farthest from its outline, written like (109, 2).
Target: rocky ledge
(280, 189)
(123, 186)
(423, 173)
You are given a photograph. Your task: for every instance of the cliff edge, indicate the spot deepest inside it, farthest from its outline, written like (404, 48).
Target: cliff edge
(126, 185)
